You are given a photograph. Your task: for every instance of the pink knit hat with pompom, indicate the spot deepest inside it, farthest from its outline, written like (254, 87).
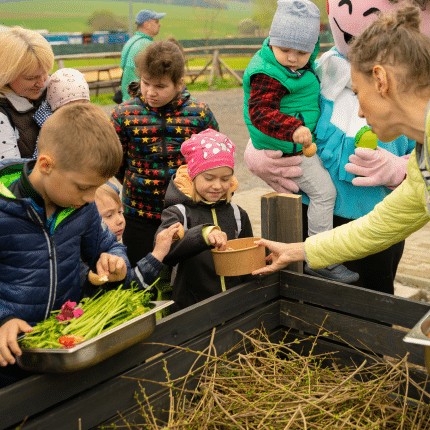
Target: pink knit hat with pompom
(207, 150)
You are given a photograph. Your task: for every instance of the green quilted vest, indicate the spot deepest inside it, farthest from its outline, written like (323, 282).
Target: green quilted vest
(302, 102)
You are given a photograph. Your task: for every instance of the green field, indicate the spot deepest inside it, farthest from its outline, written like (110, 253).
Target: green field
(181, 22)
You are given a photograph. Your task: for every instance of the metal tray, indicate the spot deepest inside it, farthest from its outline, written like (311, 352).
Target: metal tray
(94, 350)
(419, 335)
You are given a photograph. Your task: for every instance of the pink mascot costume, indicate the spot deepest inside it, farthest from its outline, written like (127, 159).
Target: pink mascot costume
(362, 176)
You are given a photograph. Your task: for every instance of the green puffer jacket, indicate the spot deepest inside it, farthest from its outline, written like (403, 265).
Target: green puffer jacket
(401, 213)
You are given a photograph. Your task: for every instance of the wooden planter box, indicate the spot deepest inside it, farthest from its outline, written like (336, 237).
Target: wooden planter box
(279, 302)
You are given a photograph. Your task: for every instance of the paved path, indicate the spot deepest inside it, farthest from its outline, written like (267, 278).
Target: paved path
(414, 268)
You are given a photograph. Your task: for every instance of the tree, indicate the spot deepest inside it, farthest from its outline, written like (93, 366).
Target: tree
(106, 20)
(248, 27)
(265, 9)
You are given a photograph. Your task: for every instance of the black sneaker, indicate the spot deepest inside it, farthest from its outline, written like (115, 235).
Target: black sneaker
(336, 272)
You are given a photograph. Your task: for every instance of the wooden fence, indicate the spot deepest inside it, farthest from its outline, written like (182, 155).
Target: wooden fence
(215, 67)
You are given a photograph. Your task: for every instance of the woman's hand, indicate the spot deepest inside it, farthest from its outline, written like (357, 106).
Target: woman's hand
(282, 254)
(375, 167)
(274, 169)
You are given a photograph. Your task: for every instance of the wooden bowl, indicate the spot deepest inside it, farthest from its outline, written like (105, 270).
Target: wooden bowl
(241, 257)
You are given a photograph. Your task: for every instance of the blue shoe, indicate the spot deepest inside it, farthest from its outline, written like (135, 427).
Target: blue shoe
(336, 272)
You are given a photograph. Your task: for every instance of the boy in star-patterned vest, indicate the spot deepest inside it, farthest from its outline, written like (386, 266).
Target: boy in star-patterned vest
(152, 127)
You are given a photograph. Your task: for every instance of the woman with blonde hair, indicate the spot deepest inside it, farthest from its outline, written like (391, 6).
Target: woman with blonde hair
(390, 73)
(25, 60)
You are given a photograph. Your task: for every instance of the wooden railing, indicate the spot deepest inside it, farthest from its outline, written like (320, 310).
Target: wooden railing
(215, 66)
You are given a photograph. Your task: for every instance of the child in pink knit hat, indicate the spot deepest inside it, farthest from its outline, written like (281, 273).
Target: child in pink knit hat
(199, 197)
(64, 86)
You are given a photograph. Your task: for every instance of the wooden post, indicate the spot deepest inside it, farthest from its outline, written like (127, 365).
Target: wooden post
(281, 220)
(216, 68)
(60, 64)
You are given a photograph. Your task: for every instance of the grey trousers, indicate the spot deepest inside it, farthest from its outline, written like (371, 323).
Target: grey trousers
(316, 182)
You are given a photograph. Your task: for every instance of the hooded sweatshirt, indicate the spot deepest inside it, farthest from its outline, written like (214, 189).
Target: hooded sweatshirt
(196, 279)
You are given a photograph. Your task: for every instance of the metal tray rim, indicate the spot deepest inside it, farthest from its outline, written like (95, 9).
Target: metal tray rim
(416, 334)
(158, 306)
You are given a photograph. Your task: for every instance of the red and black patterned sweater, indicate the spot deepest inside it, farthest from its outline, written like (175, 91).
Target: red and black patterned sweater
(151, 139)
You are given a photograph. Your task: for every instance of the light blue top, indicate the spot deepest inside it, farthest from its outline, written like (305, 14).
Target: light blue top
(336, 129)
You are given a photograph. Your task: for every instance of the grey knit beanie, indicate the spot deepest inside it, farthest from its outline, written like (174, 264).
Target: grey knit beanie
(295, 25)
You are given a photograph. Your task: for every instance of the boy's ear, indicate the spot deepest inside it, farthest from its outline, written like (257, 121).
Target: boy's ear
(46, 164)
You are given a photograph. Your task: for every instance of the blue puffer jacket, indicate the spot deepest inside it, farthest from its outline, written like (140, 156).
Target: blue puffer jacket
(39, 266)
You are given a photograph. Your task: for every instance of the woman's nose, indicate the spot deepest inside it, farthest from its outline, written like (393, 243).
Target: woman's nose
(42, 80)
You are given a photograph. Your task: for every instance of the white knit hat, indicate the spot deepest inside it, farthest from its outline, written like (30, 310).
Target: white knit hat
(295, 25)
(66, 85)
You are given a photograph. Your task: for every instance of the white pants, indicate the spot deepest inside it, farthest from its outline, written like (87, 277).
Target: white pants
(316, 182)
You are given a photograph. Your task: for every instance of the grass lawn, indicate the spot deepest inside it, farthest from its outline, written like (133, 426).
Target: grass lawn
(181, 22)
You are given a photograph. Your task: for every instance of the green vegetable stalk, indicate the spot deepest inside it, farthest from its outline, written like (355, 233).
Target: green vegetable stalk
(101, 313)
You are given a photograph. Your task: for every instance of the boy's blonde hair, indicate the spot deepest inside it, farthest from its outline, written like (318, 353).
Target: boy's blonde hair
(106, 190)
(80, 136)
(22, 51)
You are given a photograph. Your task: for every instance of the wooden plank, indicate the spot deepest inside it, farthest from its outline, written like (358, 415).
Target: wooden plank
(269, 216)
(231, 71)
(360, 333)
(290, 229)
(107, 399)
(354, 300)
(104, 84)
(215, 69)
(40, 392)
(105, 68)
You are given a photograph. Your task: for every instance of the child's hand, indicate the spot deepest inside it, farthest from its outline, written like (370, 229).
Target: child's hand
(164, 240)
(218, 239)
(112, 266)
(8, 340)
(303, 136)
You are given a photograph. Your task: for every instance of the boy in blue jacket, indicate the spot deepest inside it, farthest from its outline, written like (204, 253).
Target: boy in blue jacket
(48, 221)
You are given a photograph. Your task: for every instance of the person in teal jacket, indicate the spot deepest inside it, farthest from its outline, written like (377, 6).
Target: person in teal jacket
(281, 110)
(148, 26)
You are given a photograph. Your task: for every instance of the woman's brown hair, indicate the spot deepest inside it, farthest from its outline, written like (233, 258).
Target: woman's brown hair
(395, 40)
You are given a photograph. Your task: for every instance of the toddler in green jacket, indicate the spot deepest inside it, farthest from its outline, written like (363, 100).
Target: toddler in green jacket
(281, 111)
